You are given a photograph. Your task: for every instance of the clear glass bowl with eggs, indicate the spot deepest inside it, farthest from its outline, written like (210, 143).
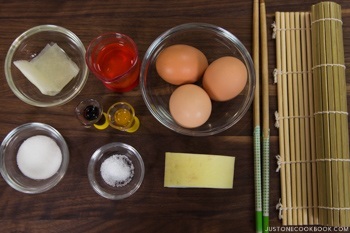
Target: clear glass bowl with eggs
(27, 47)
(116, 170)
(28, 159)
(215, 43)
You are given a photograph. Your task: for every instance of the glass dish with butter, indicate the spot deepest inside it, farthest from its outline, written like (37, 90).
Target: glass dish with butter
(45, 66)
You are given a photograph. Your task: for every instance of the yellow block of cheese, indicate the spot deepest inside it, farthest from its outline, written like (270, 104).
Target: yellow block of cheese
(184, 170)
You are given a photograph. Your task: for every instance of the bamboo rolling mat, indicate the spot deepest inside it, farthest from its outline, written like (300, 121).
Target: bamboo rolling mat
(312, 117)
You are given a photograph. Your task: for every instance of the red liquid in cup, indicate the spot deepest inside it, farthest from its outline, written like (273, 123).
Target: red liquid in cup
(115, 64)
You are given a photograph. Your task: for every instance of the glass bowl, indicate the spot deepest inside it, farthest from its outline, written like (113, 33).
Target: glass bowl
(214, 42)
(8, 162)
(103, 186)
(31, 43)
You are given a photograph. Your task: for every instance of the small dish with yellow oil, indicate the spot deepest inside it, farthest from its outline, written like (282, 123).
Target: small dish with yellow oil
(121, 116)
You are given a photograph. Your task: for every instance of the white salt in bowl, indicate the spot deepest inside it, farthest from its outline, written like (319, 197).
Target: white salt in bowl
(27, 46)
(113, 181)
(10, 170)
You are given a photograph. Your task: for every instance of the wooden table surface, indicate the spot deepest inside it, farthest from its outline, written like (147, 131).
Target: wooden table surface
(73, 206)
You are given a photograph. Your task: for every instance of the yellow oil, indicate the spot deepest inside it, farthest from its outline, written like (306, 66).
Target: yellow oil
(123, 117)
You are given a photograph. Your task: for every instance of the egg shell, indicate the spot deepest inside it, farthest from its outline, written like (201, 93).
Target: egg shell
(190, 106)
(225, 78)
(180, 64)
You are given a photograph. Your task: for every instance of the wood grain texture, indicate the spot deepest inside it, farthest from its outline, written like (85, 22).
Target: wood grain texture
(72, 206)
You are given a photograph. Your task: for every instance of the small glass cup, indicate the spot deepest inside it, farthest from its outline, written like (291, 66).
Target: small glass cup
(113, 58)
(90, 113)
(121, 116)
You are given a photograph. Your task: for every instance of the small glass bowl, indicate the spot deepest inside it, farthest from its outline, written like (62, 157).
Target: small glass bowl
(92, 105)
(8, 162)
(27, 46)
(95, 177)
(214, 42)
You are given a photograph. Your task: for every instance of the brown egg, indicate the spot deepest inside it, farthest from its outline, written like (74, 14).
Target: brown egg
(225, 78)
(190, 106)
(180, 64)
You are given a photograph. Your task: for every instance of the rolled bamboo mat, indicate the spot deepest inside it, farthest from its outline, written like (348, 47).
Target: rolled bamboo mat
(312, 117)
(331, 115)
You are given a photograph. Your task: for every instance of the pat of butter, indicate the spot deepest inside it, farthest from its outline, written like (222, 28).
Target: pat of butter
(184, 170)
(50, 71)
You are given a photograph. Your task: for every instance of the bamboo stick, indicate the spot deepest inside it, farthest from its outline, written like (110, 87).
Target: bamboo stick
(280, 93)
(265, 117)
(295, 117)
(302, 119)
(314, 200)
(291, 121)
(257, 134)
(341, 119)
(338, 178)
(305, 124)
(289, 201)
